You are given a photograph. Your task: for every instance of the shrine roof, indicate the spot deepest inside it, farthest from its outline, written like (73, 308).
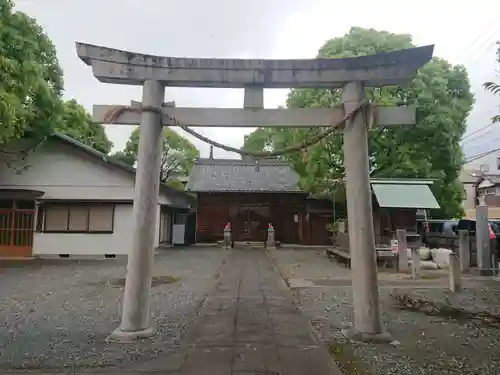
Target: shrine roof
(250, 176)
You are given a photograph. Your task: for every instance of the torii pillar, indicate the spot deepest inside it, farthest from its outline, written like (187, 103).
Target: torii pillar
(136, 321)
(360, 219)
(353, 74)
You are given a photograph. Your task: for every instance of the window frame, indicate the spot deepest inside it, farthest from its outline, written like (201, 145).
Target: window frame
(67, 206)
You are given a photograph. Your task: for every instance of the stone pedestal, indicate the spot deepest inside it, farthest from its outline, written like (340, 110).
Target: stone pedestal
(270, 243)
(483, 241)
(402, 247)
(464, 250)
(383, 337)
(454, 272)
(415, 264)
(227, 238)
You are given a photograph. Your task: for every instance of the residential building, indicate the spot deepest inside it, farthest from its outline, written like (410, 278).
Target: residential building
(66, 199)
(487, 162)
(478, 184)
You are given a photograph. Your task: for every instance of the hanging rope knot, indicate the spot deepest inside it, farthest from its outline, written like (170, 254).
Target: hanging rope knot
(370, 109)
(114, 113)
(305, 155)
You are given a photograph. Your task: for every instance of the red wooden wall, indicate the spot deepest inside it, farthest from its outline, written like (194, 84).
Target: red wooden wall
(249, 214)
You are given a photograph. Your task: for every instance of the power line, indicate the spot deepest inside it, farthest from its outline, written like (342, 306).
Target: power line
(481, 49)
(477, 131)
(488, 43)
(480, 155)
(482, 145)
(491, 44)
(486, 142)
(478, 37)
(481, 140)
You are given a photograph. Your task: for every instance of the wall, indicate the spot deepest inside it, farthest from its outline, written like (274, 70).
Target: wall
(118, 242)
(490, 160)
(314, 229)
(470, 201)
(165, 224)
(65, 173)
(216, 209)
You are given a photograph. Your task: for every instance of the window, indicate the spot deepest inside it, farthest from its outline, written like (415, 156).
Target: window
(498, 164)
(179, 219)
(484, 168)
(436, 227)
(78, 218)
(6, 204)
(491, 190)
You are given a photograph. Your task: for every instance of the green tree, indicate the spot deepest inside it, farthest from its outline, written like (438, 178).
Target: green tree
(122, 157)
(77, 123)
(178, 155)
(31, 86)
(430, 149)
(494, 87)
(31, 80)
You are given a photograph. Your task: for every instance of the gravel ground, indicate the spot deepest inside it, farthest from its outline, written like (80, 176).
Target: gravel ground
(58, 313)
(428, 344)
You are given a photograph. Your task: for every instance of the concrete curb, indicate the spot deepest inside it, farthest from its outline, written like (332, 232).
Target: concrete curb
(333, 364)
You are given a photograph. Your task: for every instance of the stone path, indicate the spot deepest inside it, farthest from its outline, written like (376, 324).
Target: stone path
(248, 325)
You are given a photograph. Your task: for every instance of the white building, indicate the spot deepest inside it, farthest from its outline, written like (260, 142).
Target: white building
(488, 162)
(481, 175)
(69, 199)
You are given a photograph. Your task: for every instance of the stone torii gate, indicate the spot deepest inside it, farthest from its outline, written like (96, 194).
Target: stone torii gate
(155, 73)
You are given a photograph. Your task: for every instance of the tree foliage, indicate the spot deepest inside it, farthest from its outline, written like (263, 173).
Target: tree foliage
(122, 157)
(77, 123)
(31, 86)
(494, 87)
(178, 155)
(430, 149)
(30, 77)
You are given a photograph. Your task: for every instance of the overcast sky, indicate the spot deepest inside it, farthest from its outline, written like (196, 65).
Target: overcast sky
(463, 31)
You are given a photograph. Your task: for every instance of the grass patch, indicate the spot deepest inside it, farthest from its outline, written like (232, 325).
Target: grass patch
(119, 282)
(343, 355)
(431, 277)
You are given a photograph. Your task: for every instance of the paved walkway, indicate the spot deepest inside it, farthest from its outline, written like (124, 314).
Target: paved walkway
(248, 325)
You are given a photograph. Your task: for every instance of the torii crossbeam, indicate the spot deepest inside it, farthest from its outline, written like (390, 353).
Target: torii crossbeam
(155, 73)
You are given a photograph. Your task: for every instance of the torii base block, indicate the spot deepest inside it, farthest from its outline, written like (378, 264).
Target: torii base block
(124, 337)
(378, 338)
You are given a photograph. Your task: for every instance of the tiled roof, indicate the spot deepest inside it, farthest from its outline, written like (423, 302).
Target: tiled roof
(179, 199)
(473, 176)
(231, 175)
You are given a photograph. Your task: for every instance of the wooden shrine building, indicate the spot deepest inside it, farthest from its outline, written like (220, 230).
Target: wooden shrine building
(396, 204)
(251, 195)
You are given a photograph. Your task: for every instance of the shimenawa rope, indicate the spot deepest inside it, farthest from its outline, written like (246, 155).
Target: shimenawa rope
(113, 114)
